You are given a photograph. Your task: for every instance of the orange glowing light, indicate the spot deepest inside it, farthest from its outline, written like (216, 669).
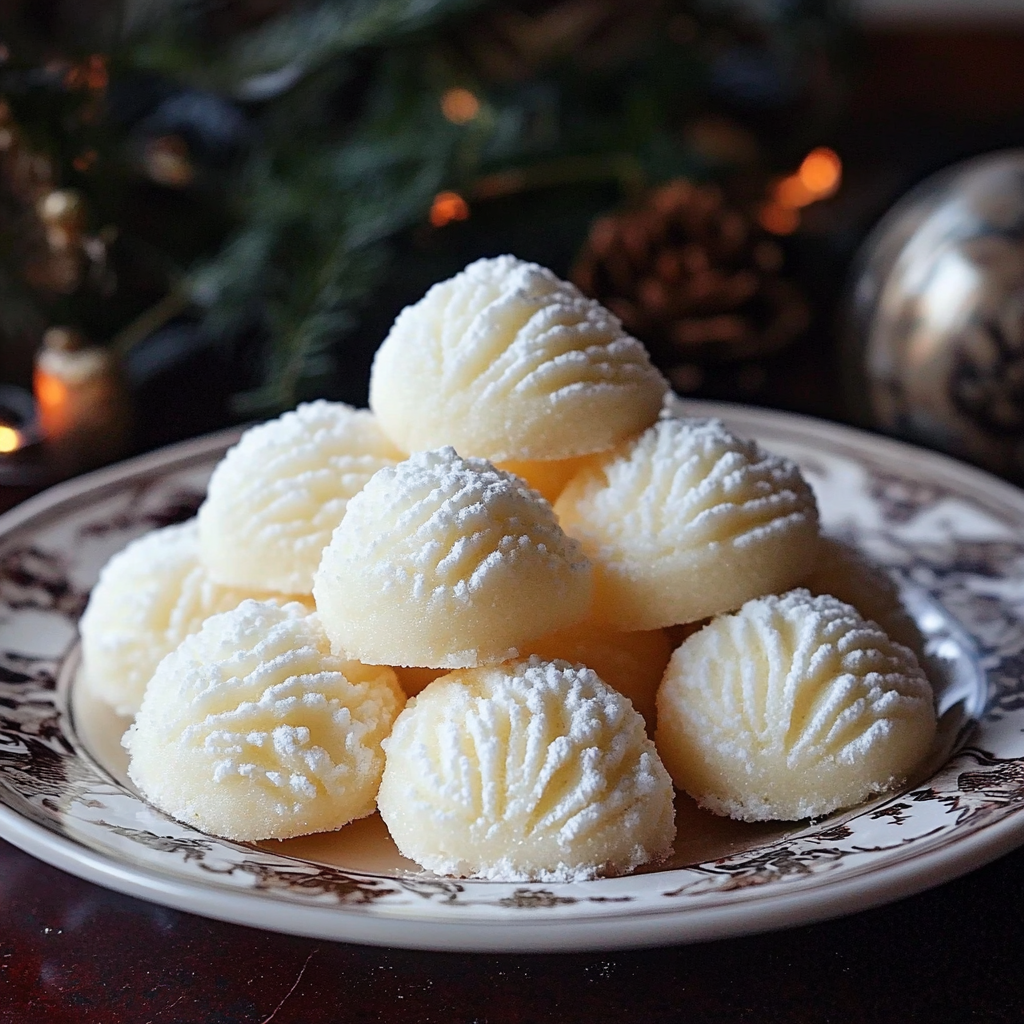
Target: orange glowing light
(818, 177)
(448, 206)
(779, 219)
(460, 106)
(54, 403)
(10, 439)
(821, 172)
(792, 193)
(51, 393)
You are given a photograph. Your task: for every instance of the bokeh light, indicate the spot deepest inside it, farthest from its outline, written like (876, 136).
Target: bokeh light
(448, 206)
(10, 439)
(459, 106)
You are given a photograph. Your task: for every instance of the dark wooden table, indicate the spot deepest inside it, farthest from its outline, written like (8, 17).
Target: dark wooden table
(72, 952)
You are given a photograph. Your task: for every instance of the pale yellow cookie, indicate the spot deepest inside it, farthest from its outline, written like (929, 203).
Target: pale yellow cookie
(847, 573)
(791, 708)
(547, 478)
(632, 663)
(148, 598)
(278, 494)
(529, 771)
(252, 728)
(444, 562)
(507, 362)
(688, 521)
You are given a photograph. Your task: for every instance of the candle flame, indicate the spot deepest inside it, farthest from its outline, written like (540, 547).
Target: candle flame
(10, 439)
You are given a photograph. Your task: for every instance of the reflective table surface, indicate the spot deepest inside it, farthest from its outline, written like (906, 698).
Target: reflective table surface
(73, 952)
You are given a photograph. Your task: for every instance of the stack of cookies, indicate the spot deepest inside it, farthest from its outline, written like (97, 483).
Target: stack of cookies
(584, 597)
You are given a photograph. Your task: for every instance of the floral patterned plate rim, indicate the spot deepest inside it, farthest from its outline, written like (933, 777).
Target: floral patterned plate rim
(952, 535)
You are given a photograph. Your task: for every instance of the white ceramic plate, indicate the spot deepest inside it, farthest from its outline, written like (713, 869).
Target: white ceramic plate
(953, 535)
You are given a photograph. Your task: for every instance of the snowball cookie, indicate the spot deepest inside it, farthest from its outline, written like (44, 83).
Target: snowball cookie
(148, 598)
(790, 708)
(688, 521)
(632, 663)
(528, 771)
(277, 495)
(547, 478)
(252, 729)
(506, 361)
(443, 562)
(847, 573)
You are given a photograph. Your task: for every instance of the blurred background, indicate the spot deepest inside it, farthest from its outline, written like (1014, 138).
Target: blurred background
(213, 209)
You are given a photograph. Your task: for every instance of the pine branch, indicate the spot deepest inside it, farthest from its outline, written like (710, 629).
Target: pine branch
(269, 60)
(310, 37)
(138, 17)
(351, 145)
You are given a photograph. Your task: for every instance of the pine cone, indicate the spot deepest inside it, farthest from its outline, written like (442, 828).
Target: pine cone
(693, 277)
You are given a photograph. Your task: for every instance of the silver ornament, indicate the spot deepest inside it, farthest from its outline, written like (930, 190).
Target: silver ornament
(935, 341)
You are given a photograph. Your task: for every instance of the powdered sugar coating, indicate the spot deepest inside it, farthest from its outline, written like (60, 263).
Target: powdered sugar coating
(252, 728)
(688, 521)
(444, 562)
(148, 598)
(791, 708)
(529, 771)
(506, 361)
(631, 663)
(278, 494)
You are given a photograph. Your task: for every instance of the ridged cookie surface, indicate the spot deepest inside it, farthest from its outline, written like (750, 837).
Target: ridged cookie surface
(688, 521)
(148, 598)
(444, 562)
(505, 361)
(252, 728)
(790, 708)
(529, 771)
(277, 495)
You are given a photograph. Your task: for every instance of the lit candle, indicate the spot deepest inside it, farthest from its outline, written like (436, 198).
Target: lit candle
(82, 401)
(20, 457)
